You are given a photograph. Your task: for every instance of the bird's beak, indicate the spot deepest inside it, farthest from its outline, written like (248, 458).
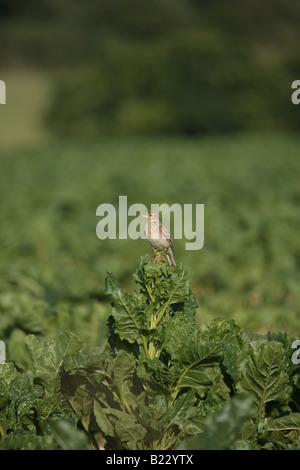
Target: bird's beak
(145, 215)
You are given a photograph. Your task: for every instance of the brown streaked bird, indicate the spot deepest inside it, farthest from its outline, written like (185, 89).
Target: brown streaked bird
(159, 237)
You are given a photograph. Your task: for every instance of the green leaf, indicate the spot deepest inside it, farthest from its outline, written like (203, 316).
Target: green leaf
(51, 404)
(289, 422)
(126, 311)
(23, 398)
(182, 410)
(209, 405)
(105, 426)
(123, 368)
(67, 436)
(223, 428)
(34, 348)
(179, 288)
(48, 356)
(178, 332)
(129, 431)
(82, 403)
(87, 357)
(237, 344)
(199, 365)
(153, 276)
(67, 344)
(152, 409)
(263, 376)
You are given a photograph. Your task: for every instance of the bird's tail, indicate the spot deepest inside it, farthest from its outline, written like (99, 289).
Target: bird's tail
(170, 257)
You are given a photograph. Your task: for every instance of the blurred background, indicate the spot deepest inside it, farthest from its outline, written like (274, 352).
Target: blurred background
(165, 101)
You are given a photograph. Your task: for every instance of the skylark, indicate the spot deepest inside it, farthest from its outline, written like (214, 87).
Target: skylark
(159, 237)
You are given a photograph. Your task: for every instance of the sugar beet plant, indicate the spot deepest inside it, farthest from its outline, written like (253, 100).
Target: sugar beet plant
(163, 380)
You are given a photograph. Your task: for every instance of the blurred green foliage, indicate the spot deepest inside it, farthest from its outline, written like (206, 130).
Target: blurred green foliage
(168, 66)
(191, 84)
(53, 265)
(151, 74)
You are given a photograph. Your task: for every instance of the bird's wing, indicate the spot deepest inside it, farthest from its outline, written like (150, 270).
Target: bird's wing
(165, 232)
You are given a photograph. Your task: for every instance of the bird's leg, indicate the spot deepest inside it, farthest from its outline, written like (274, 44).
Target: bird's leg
(154, 253)
(163, 254)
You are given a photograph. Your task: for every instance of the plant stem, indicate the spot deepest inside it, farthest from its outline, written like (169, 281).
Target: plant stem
(152, 350)
(150, 293)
